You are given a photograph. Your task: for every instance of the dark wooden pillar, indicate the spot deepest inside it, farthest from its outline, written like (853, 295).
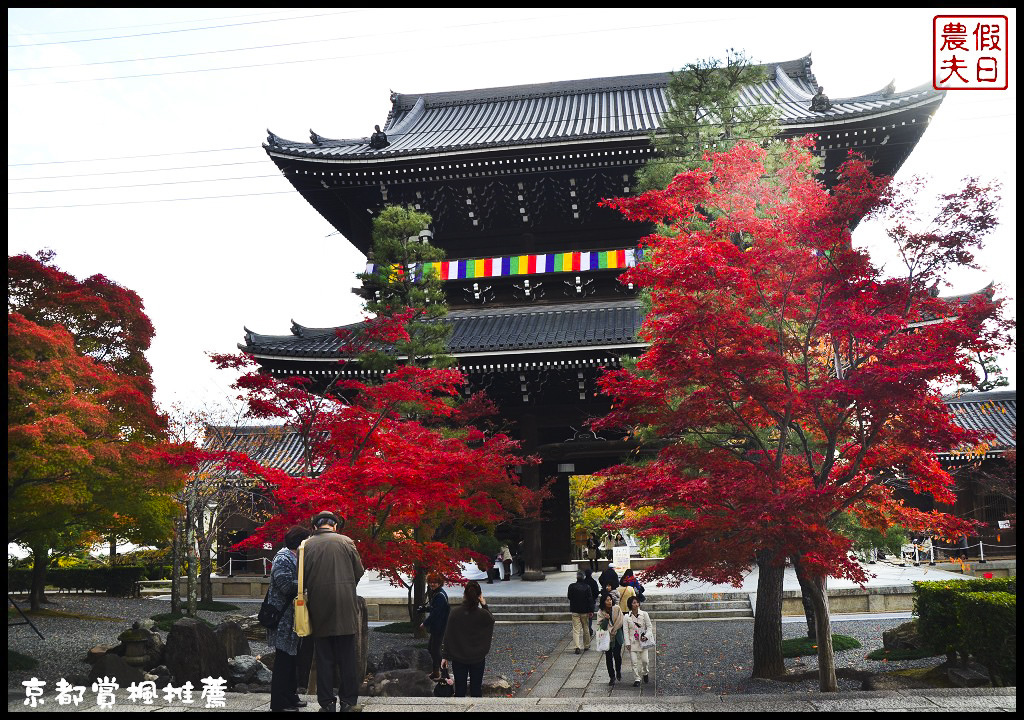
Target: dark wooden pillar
(533, 551)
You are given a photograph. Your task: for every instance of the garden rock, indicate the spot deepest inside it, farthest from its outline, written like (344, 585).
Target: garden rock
(145, 624)
(250, 625)
(498, 685)
(114, 666)
(405, 658)
(248, 669)
(971, 676)
(400, 683)
(904, 637)
(96, 652)
(233, 638)
(193, 652)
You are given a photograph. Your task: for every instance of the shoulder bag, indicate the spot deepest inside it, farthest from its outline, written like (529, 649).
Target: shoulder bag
(302, 626)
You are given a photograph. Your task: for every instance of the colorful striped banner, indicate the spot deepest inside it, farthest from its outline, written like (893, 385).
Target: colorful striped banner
(472, 269)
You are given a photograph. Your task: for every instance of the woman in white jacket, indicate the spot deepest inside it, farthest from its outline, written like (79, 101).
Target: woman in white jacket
(639, 631)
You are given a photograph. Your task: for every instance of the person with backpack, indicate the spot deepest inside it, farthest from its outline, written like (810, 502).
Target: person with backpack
(436, 622)
(639, 632)
(284, 586)
(626, 591)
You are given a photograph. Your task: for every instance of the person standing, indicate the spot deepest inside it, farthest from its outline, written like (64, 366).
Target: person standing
(609, 544)
(581, 606)
(609, 577)
(467, 640)
(610, 619)
(638, 629)
(595, 592)
(436, 622)
(332, 568)
(506, 561)
(626, 591)
(284, 586)
(593, 548)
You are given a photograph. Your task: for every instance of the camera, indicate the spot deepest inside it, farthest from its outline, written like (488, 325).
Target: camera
(424, 608)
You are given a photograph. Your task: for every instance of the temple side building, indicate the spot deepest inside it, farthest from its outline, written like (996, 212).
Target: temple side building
(512, 177)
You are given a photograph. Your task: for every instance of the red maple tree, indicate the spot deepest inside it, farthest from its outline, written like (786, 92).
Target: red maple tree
(787, 380)
(416, 481)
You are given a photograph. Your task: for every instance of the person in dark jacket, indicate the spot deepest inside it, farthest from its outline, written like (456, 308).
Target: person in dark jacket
(609, 577)
(436, 622)
(284, 586)
(595, 591)
(581, 605)
(332, 569)
(467, 640)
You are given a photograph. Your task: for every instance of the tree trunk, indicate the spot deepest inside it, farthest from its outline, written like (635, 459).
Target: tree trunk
(826, 658)
(805, 596)
(193, 560)
(768, 662)
(205, 580)
(176, 552)
(113, 551)
(40, 562)
(419, 596)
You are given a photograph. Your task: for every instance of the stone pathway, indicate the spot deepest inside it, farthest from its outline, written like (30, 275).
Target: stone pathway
(568, 675)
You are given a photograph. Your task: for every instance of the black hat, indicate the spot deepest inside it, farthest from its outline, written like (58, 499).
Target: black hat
(327, 515)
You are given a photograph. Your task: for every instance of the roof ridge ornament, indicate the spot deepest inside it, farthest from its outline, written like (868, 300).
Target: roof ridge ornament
(378, 140)
(316, 139)
(820, 102)
(890, 88)
(272, 139)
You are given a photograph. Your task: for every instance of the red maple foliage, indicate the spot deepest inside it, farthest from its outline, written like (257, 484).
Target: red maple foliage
(414, 479)
(787, 379)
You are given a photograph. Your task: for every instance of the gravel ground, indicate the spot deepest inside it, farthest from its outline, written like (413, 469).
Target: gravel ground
(516, 651)
(715, 657)
(693, 657)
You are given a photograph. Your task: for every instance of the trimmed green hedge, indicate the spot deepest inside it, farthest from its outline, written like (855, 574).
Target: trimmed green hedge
(115, 581)
(935, 605)
(987, 622)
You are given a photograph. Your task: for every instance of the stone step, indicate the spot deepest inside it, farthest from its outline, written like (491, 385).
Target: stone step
(651, 607)
(664, 615)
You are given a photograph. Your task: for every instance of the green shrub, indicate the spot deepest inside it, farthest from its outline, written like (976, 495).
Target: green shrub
(164, 621)
(935, 606)
(902, 654)
(987, 626)
(795, 647)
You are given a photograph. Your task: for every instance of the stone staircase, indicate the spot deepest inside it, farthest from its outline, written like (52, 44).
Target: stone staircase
(707, 606)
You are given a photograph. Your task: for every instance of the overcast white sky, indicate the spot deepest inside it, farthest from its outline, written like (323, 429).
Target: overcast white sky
(213, 238)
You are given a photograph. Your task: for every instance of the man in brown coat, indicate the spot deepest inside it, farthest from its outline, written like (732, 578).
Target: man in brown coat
(331, 569)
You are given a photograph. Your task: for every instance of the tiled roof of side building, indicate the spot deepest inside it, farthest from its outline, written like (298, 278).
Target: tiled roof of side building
(626, 106)
(480, 330)
(988, 412)
(272, 446)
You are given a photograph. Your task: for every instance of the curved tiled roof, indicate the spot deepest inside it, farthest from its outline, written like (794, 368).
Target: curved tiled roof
(627, 106)
(988, 412)
(272, 446)
(486, 330)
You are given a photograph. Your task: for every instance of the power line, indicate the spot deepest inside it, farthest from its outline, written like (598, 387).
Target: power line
(128, 157)
(125, 172)
(280, 45)
(168, 32)
(143, 202)
(124, 27)
(134, 185)
(389, 51)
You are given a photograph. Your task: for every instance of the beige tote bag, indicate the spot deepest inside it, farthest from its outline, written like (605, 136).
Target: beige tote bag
(302, 626)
